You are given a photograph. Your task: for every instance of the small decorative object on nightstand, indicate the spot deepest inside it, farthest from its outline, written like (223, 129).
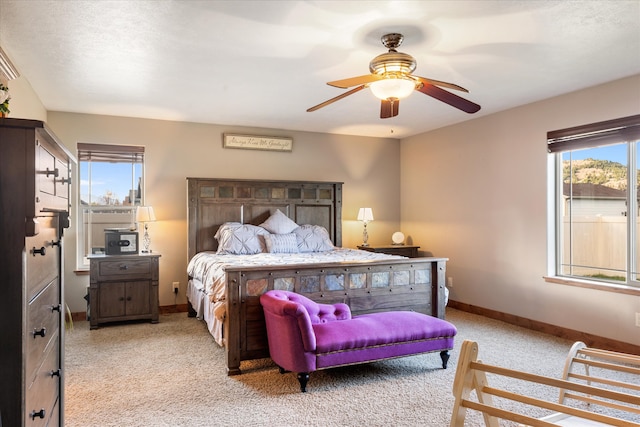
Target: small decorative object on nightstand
(365, 215)
(397, 238)
(409, 251)
(123, 287)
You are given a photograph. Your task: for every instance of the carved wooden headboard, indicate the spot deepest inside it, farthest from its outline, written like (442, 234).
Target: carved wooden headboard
(213, 201)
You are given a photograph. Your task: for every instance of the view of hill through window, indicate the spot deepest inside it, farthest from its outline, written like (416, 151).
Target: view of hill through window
(593, 171)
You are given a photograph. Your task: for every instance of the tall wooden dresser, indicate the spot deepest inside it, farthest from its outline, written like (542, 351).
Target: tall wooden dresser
(34, 211)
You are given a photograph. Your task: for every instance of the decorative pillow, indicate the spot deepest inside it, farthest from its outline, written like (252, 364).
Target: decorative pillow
(313, 238)
(240, 239)
(281, 243)
(279, 223)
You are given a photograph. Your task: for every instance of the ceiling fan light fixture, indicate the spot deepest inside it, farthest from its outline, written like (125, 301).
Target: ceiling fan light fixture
(397, 88)
(391, 79)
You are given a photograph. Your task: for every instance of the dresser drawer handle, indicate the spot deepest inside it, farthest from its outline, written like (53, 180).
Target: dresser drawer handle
(42, 332)
(39, 414)
(124, 267)
(55, 373)
(42, 251)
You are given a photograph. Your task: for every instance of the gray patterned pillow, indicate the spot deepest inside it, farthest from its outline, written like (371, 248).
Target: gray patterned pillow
(279, 223)
(313, 238)
(240, 239)
(281, 243)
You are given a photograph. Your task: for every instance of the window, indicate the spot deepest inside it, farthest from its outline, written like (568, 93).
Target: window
(596, 177)
(111, 187)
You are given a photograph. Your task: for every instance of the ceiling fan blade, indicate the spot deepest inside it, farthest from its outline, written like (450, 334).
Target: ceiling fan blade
(337, 98)
(440, 83)
(353, 81)
(389, 108)
(449, 98)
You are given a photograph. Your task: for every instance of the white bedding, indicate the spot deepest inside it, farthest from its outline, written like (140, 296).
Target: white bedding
(206, 310)
(206, 291)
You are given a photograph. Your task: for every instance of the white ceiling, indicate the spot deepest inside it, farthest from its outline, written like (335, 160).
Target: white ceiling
(263, 63)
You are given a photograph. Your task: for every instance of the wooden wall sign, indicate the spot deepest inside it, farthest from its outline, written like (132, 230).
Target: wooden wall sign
(252, 142)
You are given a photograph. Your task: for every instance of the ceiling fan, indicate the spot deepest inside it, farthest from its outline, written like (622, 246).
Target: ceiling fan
(391, 80)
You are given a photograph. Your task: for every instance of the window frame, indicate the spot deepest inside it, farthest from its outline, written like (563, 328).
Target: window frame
(624, 130)
(105, 153)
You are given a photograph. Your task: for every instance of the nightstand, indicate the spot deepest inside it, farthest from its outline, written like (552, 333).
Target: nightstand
(409, 251)
(123, 287)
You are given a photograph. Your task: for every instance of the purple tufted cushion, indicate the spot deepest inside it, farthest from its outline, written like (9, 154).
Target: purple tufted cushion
(379, 329)
(318, 313)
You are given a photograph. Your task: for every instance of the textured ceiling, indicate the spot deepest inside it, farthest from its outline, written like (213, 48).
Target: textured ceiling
(263, 63)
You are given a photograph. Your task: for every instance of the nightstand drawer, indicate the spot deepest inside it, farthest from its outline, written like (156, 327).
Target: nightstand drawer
(121, 267)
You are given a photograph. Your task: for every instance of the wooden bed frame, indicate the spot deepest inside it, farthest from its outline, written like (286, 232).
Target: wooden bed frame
(416, 284)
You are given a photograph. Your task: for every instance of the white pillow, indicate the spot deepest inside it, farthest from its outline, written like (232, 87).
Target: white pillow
(279, 223)
(240, 239)
(281, 243)
(313, 238)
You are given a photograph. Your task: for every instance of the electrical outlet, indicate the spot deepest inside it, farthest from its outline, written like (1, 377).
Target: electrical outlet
(176, 287)
(450, 282)
(638, 319)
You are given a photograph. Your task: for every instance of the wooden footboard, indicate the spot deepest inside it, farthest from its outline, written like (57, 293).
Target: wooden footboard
(416, 284)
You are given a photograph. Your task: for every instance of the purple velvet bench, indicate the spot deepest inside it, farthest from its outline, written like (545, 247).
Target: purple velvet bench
(305, 336)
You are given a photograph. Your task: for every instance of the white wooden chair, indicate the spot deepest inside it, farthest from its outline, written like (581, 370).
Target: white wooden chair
(607, 392)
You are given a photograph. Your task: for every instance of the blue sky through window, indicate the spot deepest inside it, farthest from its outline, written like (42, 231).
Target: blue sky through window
(614, 153)
(115, 178)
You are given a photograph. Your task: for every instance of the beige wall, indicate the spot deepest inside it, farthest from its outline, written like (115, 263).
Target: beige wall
(369, 168)
(477, 193)
(25, 103)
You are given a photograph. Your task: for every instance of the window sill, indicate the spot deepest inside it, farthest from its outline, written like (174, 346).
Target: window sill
(621, 289)
(81, 272)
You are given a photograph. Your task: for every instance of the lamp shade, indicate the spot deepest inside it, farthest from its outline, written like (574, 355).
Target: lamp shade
(145, 214)
(365, 214)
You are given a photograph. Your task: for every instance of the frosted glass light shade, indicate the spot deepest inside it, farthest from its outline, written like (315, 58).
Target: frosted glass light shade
(397, 88)
(145, 214)
(365, 214)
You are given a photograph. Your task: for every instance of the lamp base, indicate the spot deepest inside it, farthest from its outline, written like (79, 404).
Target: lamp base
(364, 244)
(146, 240)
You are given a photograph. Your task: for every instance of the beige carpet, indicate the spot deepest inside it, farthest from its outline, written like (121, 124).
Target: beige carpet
(173, 374)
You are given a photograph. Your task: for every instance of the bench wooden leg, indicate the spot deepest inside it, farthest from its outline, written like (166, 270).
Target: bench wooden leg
(444, 355)
(303, 378)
